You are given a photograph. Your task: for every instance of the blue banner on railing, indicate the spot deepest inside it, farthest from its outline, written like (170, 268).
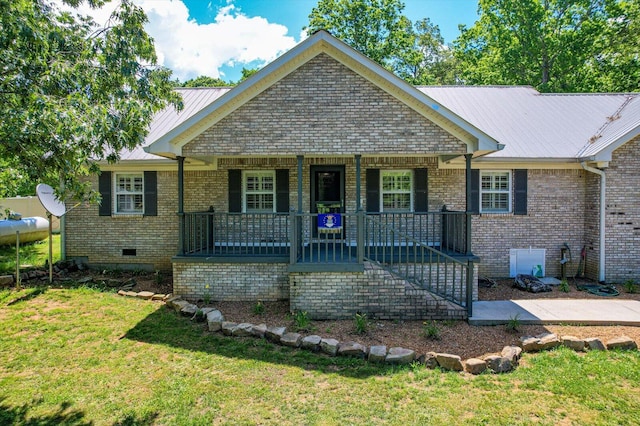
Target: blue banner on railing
(329, 222)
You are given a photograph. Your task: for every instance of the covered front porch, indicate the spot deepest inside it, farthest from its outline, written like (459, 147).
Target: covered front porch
(427, 252)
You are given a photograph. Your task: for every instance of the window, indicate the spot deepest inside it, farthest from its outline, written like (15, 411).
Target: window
(259, 191)
(495, 192)
(396, 190)
(129, 193)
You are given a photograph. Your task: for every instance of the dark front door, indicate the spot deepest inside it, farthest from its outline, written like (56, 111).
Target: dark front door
(327, 190)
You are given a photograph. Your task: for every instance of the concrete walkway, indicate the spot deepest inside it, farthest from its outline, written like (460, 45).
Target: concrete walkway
(557, 311)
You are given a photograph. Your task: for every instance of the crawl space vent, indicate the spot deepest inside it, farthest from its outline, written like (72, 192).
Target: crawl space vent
(128, 252)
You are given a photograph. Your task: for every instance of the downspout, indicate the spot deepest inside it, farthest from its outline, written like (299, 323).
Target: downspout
(603, 191)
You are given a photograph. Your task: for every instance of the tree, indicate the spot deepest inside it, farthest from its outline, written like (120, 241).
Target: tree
(429, 60)
(379, 30)
(553, 45)
(203, 81)
(376, 28)
(72, 93)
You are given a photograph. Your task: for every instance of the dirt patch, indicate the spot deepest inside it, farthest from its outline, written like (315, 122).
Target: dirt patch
(455, 337)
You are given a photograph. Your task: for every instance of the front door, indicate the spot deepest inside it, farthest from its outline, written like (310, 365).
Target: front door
(327, 190)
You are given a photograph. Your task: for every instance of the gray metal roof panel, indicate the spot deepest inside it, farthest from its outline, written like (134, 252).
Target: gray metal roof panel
(530, 124)
(194, 100)
(623, 124)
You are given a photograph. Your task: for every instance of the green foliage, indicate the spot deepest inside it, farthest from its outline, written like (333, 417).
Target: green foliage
(361, 323)
(552, 45)
(378, 29)
(36, 254)
(168, 371)
(199, 316)
(301, 321)
(513, 324)
(203, 81)
(431, 330)
(246, 73)
(72, 93)
(564, 286)
(258, 308)
(373, 27)
(630, 286)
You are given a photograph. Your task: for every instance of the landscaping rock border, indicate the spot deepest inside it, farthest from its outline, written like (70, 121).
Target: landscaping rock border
(507, 361)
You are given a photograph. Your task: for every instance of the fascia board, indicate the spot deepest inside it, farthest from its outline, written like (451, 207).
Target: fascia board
(513, 163)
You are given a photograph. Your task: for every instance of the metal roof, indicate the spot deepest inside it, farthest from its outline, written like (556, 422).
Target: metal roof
(194, 100)
(532, 125)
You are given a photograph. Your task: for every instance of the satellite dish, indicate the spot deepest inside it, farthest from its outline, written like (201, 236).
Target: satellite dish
(49, 200)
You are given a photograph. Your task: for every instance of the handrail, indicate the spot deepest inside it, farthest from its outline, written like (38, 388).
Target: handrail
(424, 266)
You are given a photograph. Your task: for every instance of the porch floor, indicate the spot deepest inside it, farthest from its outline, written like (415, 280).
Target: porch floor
(557, 311)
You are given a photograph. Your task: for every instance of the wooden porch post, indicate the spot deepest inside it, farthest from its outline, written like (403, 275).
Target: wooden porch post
(467, 158)
(180, 205)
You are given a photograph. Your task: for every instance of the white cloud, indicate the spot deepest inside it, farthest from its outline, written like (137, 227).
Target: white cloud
(191, 49)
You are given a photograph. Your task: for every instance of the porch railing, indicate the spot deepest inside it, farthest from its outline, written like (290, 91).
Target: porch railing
(235, 234)
(313, 245)
(419, 262)
(418, 247)
(210, 233)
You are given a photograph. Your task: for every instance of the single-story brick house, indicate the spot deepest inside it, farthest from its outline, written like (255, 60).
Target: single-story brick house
(328, 181)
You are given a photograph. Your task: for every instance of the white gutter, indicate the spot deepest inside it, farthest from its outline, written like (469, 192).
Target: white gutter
(603, 191)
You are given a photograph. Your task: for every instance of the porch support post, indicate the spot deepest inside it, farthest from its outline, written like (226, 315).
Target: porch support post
(470, 273)
(300, 159)
(181, 205)
(358, 183)
(467, 158)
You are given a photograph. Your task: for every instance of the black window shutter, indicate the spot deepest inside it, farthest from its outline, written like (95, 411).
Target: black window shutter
(282, 190)
(373, 190)
(475, 191)
(235, 191)
(420, 191)
(520, 192)
(104, 187)
(151, 193)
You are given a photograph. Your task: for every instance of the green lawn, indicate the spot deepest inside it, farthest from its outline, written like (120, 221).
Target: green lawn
(80, 356)
(32, 254)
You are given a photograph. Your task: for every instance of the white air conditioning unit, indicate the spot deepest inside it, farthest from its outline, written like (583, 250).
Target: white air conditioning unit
(527, 261)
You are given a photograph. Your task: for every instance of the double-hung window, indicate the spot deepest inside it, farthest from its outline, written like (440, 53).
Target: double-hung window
(495, 191)
(129, 193)
(396, 190)
(259, 191)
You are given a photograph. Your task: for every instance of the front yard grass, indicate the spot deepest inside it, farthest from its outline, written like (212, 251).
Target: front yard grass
(78, 356)
(31, 254)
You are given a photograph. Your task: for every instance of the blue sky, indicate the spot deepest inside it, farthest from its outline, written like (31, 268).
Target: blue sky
(447, 14)
(219, 37)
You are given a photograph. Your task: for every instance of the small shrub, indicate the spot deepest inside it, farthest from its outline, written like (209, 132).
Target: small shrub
(207, 299)
(199, 316)
(431, 330)
(630, 286)
(301, 321)
(564, 286)
(361, 323)
(157, 278)
(514, 324)
(258, 308)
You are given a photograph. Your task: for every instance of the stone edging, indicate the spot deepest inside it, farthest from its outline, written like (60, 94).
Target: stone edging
(503, 363)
